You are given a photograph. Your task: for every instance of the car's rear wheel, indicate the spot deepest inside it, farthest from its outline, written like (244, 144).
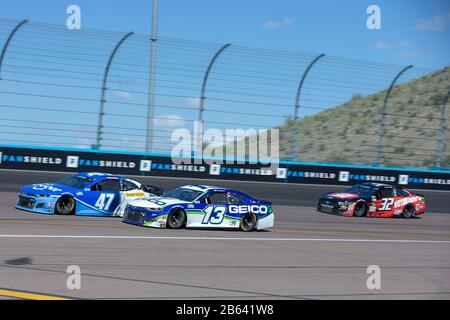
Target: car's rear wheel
(176, 219)
(408, 212)
(248, 222)
(360, 209)
(65, 205)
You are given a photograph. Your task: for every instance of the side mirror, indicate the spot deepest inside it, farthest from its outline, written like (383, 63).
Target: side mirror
(154, 190)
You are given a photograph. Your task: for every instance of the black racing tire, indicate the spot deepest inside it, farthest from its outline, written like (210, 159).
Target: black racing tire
(248, 222)
(65, 205)
(408, 212)
(176, 219)
(360, 209)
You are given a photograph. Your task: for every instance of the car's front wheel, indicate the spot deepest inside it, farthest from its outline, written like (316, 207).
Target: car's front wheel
(176, 219)
(248, 222)
(408, 212)
(65, 205)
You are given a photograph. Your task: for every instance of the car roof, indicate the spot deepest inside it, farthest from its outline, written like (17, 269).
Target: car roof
(204, 188)
(98, 175)
(374, 185)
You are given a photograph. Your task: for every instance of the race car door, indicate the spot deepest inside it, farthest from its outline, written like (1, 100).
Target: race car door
(103, 198)
(215, 208)
(385, 202)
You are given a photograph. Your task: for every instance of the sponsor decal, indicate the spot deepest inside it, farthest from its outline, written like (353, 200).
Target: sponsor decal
(403, 179)
(145, 165)
(373, 178)
(344, 176)
(214, 169)
(72, 162)
(177, 167)
(315, 175)
(247, 171)
(76, 162)
(134, 194)
(281, 173)
(45, 187)
(247, 208)
(404, 201)
(30, 159)
(372, 209)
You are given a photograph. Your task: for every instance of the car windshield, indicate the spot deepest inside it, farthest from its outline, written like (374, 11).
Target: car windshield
(77, 182)
(184, 194)
(360, 191)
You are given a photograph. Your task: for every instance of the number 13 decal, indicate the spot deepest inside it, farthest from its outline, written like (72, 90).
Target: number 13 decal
(214, 215)
(386, 204)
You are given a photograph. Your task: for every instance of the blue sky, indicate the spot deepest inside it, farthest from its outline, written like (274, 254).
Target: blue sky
(412, 30)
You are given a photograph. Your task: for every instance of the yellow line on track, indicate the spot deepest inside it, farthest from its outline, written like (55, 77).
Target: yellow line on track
(29, 296)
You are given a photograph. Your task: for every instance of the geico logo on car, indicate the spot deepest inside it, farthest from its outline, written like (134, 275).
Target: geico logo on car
(247, 208)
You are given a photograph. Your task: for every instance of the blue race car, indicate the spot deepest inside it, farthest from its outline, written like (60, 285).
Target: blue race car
(200, 206)
(84, 194)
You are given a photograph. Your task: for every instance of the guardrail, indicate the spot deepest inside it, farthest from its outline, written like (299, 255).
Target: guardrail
(73, 160)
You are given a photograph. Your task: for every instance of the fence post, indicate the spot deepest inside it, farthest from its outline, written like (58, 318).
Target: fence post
(294, 131)
(151, 79)
(102, 98)
(442, 128)
(202, 94)
(8, 40)
(379, 157)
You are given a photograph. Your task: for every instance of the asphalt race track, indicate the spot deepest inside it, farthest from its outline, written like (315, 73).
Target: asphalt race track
(307, 255)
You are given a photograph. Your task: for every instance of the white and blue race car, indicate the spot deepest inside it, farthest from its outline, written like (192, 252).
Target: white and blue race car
(84, 194)
(200, 206)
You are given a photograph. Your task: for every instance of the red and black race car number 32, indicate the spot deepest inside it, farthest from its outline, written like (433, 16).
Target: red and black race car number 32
(386, 204)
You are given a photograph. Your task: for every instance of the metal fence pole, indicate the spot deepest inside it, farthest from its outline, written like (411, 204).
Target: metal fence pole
(8, 40)
(442, 128)
(380, 145)
(294, 142)
(151, 79)
(205, 80)
(202, 95)
(102, 98)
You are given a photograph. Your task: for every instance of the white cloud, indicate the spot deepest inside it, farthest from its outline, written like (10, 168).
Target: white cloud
(286, 22)
(437, 23)
(381, 45)
(169, 120)
(124, 95)
(192, 101)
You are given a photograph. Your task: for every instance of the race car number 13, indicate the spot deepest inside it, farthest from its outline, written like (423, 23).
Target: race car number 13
(214, 215)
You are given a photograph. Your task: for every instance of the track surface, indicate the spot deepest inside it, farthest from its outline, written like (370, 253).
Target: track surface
(307, 255)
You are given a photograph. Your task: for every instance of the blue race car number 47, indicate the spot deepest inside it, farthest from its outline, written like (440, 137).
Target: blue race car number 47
(214, 214)
(104, 201)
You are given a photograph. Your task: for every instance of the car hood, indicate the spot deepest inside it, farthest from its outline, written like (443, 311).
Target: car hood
(155, 202)
(340, 195)
(48, 189)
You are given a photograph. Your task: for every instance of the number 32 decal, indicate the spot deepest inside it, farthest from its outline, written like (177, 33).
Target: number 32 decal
(386, 204)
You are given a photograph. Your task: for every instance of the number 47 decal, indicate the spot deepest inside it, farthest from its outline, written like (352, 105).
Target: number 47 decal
(104, 201)
(386, 204)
